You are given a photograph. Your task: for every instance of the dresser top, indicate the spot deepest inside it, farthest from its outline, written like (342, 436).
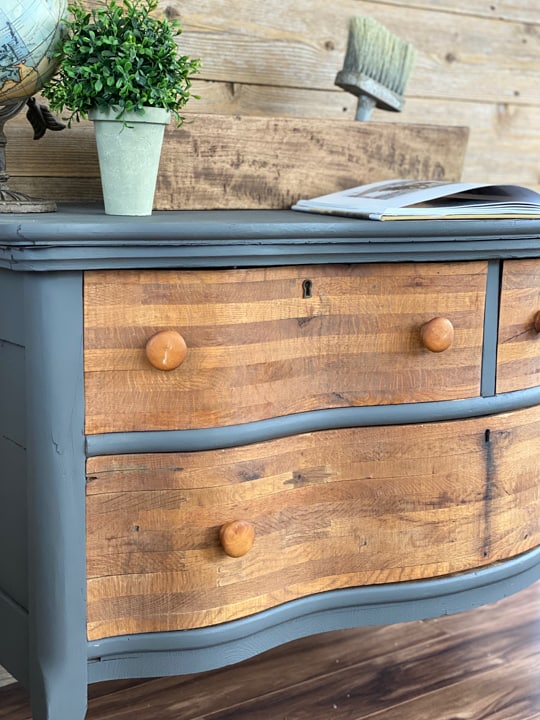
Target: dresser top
(85, 238)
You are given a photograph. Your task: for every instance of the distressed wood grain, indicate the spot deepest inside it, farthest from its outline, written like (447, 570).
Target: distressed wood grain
(518, 354)
(224, 162)
(285, 46)
(251, 162)
(331, 509)
(64, 166)
(257, 348)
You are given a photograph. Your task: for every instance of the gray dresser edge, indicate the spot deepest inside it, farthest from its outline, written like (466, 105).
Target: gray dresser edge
(191, 651)
(312, 421)
(13, 638)
(83, 239)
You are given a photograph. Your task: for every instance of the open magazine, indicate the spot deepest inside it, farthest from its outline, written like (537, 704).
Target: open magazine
(426, 200)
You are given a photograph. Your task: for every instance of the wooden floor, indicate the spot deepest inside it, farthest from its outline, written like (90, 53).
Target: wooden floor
(480, 665)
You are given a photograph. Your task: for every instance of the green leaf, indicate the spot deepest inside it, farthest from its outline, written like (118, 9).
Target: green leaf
(120, 50)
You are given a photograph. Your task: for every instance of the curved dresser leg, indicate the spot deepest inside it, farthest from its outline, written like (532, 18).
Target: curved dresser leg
(56, 698)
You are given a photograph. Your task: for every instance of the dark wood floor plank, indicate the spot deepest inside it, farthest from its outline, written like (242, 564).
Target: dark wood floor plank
(513, 609)
(274, 671)
(304, 659)
(400, 677)
(480, 665)
(15, 702)
(498, 694)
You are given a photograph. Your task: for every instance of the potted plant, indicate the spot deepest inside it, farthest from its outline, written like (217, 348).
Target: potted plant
(121, 67)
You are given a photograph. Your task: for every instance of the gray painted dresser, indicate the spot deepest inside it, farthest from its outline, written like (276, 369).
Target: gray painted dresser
(343, 431)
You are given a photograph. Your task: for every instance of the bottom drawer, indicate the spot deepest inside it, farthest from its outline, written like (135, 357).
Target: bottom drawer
(331, 509)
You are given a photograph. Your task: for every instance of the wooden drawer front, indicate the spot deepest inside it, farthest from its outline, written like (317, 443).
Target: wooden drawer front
(518, 358)
(257, 348)
(332, 509)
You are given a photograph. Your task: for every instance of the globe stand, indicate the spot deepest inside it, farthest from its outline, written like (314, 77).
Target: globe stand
(12, 201)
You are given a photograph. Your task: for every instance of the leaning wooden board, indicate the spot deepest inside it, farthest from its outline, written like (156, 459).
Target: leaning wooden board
(223, 161)
(230, 162)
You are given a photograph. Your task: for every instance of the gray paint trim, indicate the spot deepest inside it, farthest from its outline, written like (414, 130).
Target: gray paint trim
(56, 496)
(491, 327)
(13, 513)
(14, 638)
(90, 224)
(333, 418)
(181, 257)
(11, 298)
(191, 651)
(77, 239)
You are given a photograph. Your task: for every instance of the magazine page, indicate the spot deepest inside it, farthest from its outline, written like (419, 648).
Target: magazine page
(419, 199)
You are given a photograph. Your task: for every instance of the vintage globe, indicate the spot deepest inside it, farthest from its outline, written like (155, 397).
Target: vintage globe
(29, 33)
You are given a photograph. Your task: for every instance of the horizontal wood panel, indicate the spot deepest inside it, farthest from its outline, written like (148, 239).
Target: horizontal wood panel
(331, 509)
(280, 59)
(63, 166)
(228, 161)
(254, 162)
(284, 43)
(258, 349)
(518, 364)
(512, 10)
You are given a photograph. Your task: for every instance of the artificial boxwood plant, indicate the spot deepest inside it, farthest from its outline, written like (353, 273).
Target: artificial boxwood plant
(120, 55)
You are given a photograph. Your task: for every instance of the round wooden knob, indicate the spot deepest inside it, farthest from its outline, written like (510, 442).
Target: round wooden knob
(237, 537)
(537, 322)
(437, 334)
(166, 350)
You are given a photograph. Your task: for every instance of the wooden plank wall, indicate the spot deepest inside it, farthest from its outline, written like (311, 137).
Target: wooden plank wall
(478, 65)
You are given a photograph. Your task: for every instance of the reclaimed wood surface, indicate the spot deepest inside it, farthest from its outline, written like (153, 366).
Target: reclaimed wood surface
(225, 161)
(289, 54)
(518, 355)
(332, 509)
(257, 348)
(306, 43)
(256, 162)
(482, 664)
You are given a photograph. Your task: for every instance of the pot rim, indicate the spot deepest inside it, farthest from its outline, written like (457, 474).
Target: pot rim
(155, 115)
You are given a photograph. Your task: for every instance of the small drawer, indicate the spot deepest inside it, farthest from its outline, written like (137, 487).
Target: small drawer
(306, 514)
(265, 342)
(518, 356)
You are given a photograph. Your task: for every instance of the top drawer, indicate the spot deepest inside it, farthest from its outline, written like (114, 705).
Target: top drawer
(518, 356)
(265, 342)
